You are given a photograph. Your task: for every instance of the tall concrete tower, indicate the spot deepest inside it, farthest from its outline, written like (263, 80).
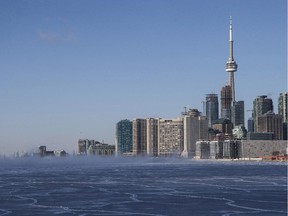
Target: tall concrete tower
(231, 65)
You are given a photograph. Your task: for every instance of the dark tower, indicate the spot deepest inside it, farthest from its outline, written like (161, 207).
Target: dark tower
(226, 100)
(123, 137)
(212, 110)
(237, 113)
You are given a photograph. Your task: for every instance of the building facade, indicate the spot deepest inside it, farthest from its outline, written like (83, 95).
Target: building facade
(100, 149)
(123, 140)
(283, 106)
(92, 147)
(260, 148)
(260, 136)
(224, 126)
(227, 149)
(170, 137)
(237, 113)
(195, 128)
(271, 122)
(226, 100)
(139, 137)
(236, 149)
(212, 108)
(261, 105)
(152, 136)
(83, 145)
(250, 124)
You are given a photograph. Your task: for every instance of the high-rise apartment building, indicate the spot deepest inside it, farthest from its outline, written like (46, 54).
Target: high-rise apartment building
(139, 137)
(123, 142)
(226, 101)
(261, 105)
(237, 113)
(152, 136)
(170, 137)
(195, 128)
(212, 108)
(271, 122)
(283, 106)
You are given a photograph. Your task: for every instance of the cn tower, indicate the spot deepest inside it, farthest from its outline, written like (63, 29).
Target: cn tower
(231, 65)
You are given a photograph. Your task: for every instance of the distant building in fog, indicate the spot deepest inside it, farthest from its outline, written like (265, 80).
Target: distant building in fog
(58, 153)
(83, 145)
(101, 149)
(92, 147)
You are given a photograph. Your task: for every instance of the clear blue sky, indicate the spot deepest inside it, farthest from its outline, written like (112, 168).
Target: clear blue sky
(71, 69)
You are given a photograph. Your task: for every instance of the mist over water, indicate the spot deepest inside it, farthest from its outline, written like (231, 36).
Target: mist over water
(141, 186)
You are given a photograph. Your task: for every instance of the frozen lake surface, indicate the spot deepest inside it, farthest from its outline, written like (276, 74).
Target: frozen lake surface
(146, 186)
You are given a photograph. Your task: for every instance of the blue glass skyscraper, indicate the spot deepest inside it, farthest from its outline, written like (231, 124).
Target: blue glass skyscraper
(124, 137)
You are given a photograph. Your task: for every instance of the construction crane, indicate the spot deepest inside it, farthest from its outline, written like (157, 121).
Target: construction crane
(185, 110)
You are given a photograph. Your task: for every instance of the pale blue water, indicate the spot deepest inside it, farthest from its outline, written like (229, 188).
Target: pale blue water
(91, 186)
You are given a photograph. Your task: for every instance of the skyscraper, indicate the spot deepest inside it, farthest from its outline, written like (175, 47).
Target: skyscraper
(231, 66)
(139, 137)
(226, 100)
(261, 105)
(123, 141)
(271, 122)
(282, 106)
(283, 110)
(212, 108)
(195, 128)
(250, 125)
(237, 113)
(152, 136)
(170, 137)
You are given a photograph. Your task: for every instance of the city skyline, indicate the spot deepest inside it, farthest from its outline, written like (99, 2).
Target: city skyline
(72, 70)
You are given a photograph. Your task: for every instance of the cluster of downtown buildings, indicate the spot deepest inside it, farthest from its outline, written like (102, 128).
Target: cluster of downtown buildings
(196, 134)
(208, 135)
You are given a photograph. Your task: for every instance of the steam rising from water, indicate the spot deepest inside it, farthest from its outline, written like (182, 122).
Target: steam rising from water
(141, 186)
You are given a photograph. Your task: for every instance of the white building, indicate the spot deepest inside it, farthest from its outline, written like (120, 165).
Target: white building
(170, 137)
(195, 129)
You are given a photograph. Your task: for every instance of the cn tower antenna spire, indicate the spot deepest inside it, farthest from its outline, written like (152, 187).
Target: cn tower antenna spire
(231, 40)
(231, 65)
